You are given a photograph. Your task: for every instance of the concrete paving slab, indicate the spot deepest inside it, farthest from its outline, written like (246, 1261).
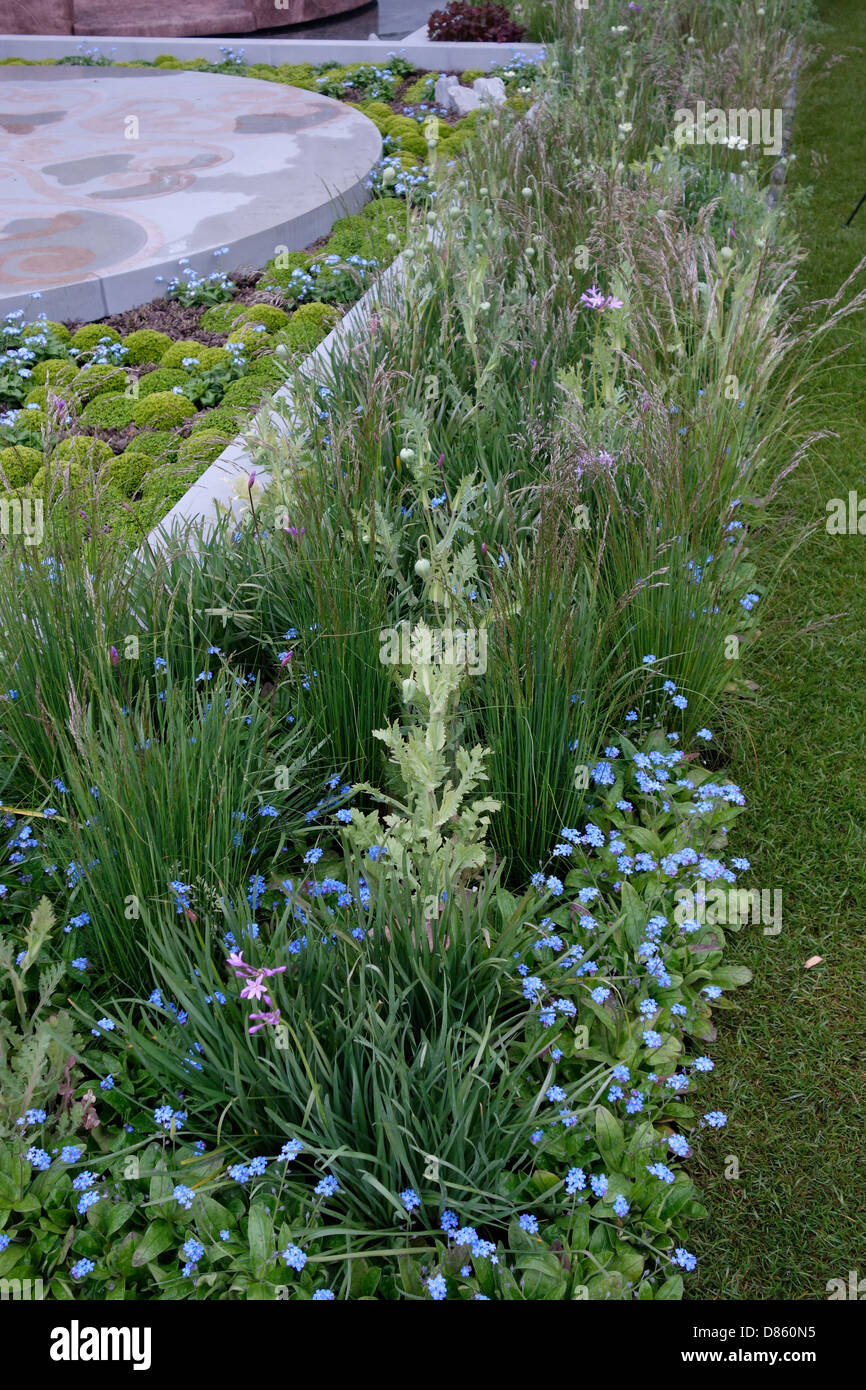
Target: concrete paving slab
(109, 177)
(442, 57)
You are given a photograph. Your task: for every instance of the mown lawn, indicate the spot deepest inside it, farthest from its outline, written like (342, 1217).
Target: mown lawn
(791, 1068)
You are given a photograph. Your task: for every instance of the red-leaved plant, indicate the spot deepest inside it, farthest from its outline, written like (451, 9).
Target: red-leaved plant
(464, 22)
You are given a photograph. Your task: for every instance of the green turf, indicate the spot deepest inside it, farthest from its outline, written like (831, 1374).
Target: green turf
(791, 1067)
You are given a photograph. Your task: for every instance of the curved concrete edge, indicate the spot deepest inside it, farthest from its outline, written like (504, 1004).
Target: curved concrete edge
(445, 57)
(215, 493)
(103, 295)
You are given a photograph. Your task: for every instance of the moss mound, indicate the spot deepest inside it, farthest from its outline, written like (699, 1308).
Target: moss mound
(161, 379)
(308, 326)
(31, 330)
(220, 317)
(157, 444)
(89, 334)
(266, 369)
(420, 90)
(253, 335)
(109, 412)
(81, 449)
(200, 449)
(185, 347)
(127, 470)
(146, 345)
(267, 314)
(223, 419)
(19, 464)
(162, 410)
(54, 372)
(350, 236)
(247, 392)
(97, 380)
(31, 422)
(161, 489)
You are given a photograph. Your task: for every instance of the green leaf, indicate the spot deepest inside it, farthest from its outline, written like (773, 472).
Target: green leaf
(41, 921)
(643, 1140)
(157, 1237)
(123, 1255)
(666, 1055)
(211, 1216)
(370, 1282)
(358, 1271)
(629, 1263)
(520, 1240)
(609, 1137)
(635, 915)
(508, 905)
(731, 976)
(260, 1293)
(676, 1198)
(542, 1181)
(10, 1257)
(260, 1233)
(580, 1229)
(543, 1277)
(671, 1290)
(161, 1188)
(645, 839)
(118, 1216)
(28, 1203)
(603, 1015)
(605, 1287)
(618, 1185)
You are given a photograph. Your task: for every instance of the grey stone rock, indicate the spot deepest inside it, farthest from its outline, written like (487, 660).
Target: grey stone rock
(462, 100)
(490, 90)
(442, 90)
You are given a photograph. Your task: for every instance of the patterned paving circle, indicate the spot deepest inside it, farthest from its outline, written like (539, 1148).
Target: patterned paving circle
(108, 179)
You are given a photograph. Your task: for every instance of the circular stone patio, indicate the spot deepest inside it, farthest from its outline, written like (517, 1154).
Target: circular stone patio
(108, 178)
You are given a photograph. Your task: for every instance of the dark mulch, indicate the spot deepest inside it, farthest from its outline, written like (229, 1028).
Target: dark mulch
(118, 439)
(166, 315)
(179, 321)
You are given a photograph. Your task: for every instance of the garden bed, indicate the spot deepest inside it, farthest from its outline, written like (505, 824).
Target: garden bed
(394, 972)
(213, 341)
